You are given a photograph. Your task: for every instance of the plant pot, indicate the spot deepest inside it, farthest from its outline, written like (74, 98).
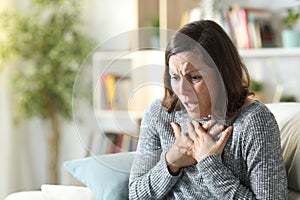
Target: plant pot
(290, 38)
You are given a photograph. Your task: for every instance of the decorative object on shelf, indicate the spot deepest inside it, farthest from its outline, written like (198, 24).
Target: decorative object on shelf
(290, 36)
(49, 49)
(211, 9)
(257, 87)
(288, 98)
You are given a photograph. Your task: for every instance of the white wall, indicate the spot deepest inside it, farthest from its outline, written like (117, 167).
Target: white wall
(105, 19)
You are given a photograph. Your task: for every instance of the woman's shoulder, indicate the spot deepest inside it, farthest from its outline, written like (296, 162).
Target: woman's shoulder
(155, 109)
(256, 107)
(256, 122)
(255, 111)
(256, 114)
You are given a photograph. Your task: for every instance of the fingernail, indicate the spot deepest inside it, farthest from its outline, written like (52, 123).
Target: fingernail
(230, 128)
(172, 124)
(195, 122)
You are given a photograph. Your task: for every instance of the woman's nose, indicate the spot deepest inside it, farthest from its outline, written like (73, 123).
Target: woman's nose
(185, 87)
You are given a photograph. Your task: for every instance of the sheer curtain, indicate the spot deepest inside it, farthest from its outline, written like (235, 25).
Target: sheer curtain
(9, 139)
(22, 152)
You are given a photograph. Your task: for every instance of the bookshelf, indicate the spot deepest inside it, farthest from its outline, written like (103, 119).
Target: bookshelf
(273, 5)
(124, 83)
(270, 52)
(275, 66)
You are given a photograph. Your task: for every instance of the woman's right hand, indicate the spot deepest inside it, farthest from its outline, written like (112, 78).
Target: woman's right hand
(180, 154)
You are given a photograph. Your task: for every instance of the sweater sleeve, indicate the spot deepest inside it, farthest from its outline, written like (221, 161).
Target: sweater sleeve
(149, 176)
(262, 154)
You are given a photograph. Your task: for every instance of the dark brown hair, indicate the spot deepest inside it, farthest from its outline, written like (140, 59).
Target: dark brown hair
(213, 39)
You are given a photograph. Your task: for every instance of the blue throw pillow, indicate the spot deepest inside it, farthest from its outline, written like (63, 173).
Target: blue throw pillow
(106, 176)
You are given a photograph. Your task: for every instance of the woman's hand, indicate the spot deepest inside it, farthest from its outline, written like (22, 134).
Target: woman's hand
(181, 154)
(204, 144)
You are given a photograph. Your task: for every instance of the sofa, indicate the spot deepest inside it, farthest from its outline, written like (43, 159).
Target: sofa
(106, 176)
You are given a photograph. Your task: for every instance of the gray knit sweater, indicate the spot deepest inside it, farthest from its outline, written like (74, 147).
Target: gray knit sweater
(251, 166)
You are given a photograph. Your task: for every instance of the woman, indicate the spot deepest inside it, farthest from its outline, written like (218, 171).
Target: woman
(206, 139)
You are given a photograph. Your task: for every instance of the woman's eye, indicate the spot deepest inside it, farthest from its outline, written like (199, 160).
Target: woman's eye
(195, 78)
(175, 77)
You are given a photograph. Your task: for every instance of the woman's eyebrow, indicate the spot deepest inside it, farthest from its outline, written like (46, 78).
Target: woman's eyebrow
(188, 72)
(192, 71)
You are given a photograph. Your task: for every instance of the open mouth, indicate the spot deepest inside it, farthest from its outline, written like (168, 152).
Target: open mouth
(191, 105)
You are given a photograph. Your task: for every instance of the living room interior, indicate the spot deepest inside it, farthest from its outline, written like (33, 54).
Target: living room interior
(131, 34)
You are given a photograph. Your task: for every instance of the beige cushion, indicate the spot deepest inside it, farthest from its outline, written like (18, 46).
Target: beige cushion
(287, 116)
(284, 111)
(66, 192)
(290, 142)
(293, 195)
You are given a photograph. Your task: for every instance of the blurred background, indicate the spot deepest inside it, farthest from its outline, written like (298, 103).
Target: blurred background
(44, 43)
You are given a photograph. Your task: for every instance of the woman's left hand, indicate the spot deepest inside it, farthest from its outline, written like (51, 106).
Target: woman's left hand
(204, 144)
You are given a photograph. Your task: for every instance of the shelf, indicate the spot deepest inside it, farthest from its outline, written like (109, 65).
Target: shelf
(119, 121)
(273, 5)
(270, 52)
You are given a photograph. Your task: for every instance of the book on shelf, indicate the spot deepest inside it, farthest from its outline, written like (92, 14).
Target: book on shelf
(108, 143)
(249, 27)
(114, 143)
(114, 92)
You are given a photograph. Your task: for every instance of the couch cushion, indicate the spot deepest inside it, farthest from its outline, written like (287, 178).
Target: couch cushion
(293, 195)
(64, 192)
(284, 111)
(26, 195)
(288, 118)
(290, 142)
(106, 176)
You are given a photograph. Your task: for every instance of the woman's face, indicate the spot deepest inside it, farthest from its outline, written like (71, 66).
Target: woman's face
(188, 84)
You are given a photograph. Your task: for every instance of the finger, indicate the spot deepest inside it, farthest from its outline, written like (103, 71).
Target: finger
(209, 124)
(186, 140)
(223, 140)
(176, 128)
(215, 131)
(191, 130)
(198, 128)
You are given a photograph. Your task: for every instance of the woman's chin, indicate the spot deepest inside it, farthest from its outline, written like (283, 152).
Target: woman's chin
(194, 115)
(197, 115)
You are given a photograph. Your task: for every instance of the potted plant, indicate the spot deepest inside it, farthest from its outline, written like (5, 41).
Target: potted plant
(50, 49)
(290, 36)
